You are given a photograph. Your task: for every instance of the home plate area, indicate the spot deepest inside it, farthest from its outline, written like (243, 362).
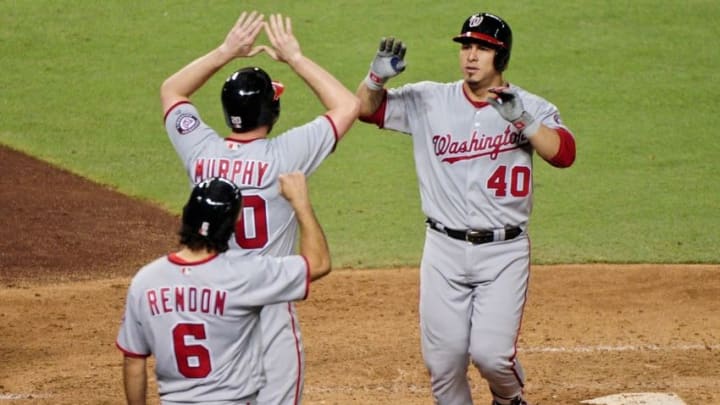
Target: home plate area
(642, 398)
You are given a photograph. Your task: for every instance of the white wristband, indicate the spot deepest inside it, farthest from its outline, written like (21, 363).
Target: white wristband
(374, 82)
(527, 124)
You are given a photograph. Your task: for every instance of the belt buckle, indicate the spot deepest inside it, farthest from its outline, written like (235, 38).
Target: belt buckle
(472, 235)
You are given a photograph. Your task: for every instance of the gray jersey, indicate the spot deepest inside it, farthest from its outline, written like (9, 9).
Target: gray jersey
(200, 321)
(474, 168)
(267, 223)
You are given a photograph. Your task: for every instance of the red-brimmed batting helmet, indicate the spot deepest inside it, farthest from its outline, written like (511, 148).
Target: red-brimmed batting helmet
(488, 29)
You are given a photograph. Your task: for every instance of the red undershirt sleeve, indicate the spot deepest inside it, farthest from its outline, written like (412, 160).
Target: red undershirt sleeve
(566, 152)
(378, 117)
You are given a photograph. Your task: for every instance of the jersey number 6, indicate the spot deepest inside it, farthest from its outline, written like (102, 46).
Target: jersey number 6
(259, 238)
(193, 361)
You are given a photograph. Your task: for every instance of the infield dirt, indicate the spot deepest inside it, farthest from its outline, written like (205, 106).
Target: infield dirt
(70, 247)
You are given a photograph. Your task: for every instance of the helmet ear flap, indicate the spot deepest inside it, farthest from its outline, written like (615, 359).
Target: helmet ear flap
(502, 57)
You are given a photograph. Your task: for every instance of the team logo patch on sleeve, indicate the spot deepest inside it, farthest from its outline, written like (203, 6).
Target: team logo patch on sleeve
(186, 123)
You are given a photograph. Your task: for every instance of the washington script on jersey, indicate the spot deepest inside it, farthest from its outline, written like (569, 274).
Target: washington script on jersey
(452, 150)
(239, 171)
(186, 299)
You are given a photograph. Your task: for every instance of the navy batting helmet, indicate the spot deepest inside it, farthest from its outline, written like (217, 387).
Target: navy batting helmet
(250, 99)
(210, 214)
(491, 30)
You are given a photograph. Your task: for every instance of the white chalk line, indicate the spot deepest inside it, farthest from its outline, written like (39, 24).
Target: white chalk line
(415, 388)
(11, 396)
(399, 385)
(619, 348)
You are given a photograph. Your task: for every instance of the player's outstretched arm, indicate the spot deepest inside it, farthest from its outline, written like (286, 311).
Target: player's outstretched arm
(135, 380)
(342, 105)
(389, 61)
(313, 244)
(239, 42)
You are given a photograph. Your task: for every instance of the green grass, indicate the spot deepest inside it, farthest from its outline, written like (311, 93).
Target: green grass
(636, 81)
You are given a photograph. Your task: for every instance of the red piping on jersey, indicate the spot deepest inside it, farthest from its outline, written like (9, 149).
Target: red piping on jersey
(299, 355)
(231, 139)
(175, 259)
(476, 104)
(128, 353)
(565, 155)
(307, 277)
(522, 313)
(335, 132)
(378, 117)
(172, 107)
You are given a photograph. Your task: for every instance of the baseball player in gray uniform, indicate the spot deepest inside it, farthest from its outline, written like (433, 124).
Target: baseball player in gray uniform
(473, 143)
(197, 310)
(253, 161)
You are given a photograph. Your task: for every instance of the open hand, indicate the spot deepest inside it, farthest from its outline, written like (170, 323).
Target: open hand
(240, 41)
(285, 45)
(389, 62)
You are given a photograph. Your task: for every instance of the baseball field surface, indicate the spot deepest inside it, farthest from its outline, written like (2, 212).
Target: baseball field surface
(589, 331)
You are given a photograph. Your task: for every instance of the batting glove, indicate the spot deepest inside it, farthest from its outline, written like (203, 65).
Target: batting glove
(510, 107)
(389, 62)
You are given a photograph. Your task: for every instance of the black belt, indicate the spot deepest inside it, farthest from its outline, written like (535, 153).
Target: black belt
(474, 236)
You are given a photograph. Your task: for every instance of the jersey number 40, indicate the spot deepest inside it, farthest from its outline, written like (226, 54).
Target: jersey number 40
(518, 182)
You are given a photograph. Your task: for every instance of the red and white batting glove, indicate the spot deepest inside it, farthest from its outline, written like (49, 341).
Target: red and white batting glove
(510, 107)
(388, 63)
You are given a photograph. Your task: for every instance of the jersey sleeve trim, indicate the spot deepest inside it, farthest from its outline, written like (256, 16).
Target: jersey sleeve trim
(566, 152)
(172, 107)
(307, 277)
(378, 117)
(335, 132)
(128, 353)
(175, 259)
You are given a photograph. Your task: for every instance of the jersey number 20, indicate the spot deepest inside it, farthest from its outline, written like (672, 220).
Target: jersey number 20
(258, 206)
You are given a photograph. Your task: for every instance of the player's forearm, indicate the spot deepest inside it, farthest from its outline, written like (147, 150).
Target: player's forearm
(313, 244)
(370, 100)
(190, 78)
(340, 102)
(135, 380)
(546, 142)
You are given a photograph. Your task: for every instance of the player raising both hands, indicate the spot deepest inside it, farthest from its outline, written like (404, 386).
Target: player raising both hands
(253, 161)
